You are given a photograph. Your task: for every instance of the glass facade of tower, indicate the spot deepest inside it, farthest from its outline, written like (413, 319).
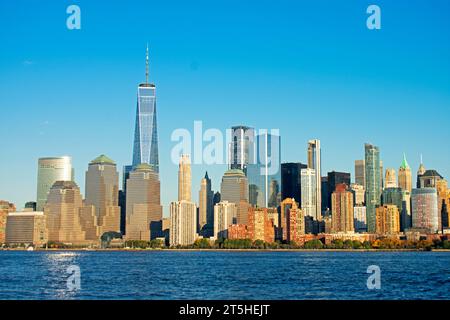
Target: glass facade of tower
(242, 147)
(264, 176)
(373, 184)
(145, 148)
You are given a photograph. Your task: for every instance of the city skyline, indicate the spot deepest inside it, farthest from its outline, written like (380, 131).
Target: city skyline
(75, 131)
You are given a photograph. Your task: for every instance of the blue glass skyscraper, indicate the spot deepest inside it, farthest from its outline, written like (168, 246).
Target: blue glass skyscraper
(264, 176)
(145, 148)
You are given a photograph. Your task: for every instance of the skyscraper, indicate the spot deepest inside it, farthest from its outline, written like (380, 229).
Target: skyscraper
(102, 192)
(314, 162)
(62, 212)
(342, 209)
(264, 176)
(291, 180)
(402, 199)
(404, 176)
(144, 211)
(373, 184)
(360, 221)
(242, 148)
(390, 180)
(292, 220)
(183, 213)
(5, 208)
(420, 172)
(358, 194)
(184, 178)
(334, 179)
(360, 174)
(308, 199)
(206, 207)
(225, 214)
(425, 209)
(234, 189)
(429, 179)
(387, 219)
(50, 170)
(183, 223)
(145, 147)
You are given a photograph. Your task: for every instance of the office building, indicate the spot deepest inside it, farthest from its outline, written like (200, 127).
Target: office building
(184, 178)
(143, 203)
(102, 192)
(359, 216)
(50, 170)
(234, 189)
(291, 180)
(314, 162)
(206, 208)
(26, 228)
(360, 172)
(337, 178)
(5, 208)
(390, 180)
(145, 147)
(424, 209)
(342, 209)
(373, 185)
(62, 212)
(308, 199)
(387, 220)
(264, 176)
(183, 223)
(242, 147)
(358, 194)
(404, 175)
(225, 214)
(402, 199)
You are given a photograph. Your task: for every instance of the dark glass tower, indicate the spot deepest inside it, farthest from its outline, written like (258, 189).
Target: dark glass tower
(291, 180)
(145, 148)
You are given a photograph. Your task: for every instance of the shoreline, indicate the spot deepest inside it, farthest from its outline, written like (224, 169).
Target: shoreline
(225, 250)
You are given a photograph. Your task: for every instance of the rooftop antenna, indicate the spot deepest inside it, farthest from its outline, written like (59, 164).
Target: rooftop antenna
(146, 66)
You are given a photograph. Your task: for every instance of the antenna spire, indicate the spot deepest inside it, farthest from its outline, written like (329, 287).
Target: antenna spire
(146, 65)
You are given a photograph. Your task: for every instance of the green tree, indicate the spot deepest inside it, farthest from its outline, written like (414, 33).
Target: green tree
(202, 244)
(258, 244)
(356, 244)
(313, 244)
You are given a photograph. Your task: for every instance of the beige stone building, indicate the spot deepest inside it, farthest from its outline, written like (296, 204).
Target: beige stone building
(26, 228)
(358, 193)
(184, 178)
(405, 176)
(144, 211)
(5, 208)
(205, 207)
(342, 210)
(62, 212)
(234, 189)
(183, 223)
(387, 219)
(390, 180)
(225, 214)
(102, 192)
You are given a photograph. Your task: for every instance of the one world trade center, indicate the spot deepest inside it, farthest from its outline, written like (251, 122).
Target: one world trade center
(145, 148)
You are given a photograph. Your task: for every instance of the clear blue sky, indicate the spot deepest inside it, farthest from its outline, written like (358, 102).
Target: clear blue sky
(310, 68)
